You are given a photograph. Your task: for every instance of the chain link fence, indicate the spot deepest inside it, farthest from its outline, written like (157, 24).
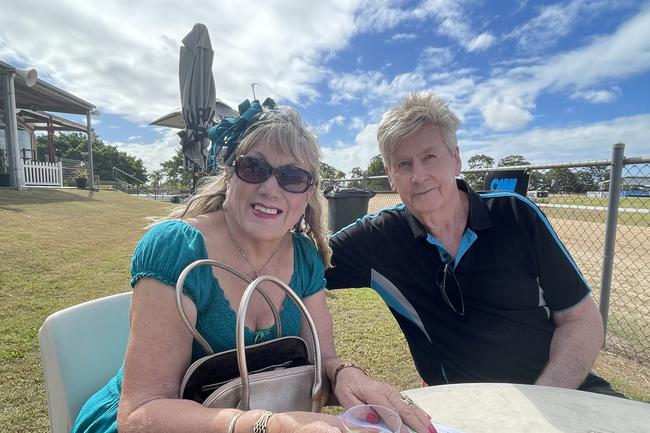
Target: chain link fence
(576, 199)
(629, 310)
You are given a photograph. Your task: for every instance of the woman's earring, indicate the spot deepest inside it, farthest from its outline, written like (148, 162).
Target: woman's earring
(303, 225)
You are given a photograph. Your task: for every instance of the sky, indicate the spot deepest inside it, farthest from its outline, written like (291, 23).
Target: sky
(554, 81)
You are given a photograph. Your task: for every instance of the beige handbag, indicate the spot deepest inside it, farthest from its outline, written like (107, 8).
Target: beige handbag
(278, 375)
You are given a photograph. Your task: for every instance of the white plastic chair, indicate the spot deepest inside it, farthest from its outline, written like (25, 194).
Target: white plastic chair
(82, 347)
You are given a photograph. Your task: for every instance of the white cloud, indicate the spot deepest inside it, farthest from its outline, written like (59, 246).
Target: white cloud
(556, 21)
(347, 86)
(507, 113)
(398, 37)
(134, 137)
(573, 143)
(451, 19)
(358, 154)
(434, 58)
(481, 42)
(357, 123)
(454, 89)
(325, 127)
(624, 53)
(373, 87)
(155, 153)
(598, 96)
(127, 63)
(507, 99)
(522, 4)
(379, 15)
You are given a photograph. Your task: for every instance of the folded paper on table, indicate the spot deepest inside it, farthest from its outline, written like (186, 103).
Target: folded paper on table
(366, 427)
(363, 427)
(440, 428)
(395, 300)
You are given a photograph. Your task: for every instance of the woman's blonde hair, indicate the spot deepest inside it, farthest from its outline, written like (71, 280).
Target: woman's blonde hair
(417, 110)
(283, 129)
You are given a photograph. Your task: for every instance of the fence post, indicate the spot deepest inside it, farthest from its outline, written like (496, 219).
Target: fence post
(22, 170)
(610, 230)
(60, 164)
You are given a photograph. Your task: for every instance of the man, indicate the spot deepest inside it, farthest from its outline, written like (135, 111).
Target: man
(481, 286)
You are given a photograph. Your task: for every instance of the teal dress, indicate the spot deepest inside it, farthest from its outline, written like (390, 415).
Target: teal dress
(162, 253)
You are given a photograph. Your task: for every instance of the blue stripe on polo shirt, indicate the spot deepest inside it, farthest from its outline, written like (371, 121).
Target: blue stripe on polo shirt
(469, 237)
(394, 298)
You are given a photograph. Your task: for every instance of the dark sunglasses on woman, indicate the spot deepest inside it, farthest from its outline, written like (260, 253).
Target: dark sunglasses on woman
(289, 177)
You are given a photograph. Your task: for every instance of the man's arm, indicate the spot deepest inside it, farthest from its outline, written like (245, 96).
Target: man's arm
(576, 342)
(351, 261)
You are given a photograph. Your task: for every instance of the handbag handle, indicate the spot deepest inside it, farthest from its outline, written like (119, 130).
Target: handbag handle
(179, 305)
(244, 404)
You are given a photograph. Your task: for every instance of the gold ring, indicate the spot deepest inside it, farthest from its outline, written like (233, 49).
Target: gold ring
(406, 399)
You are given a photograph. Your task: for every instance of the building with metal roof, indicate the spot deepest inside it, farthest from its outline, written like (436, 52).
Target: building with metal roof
(27, 100)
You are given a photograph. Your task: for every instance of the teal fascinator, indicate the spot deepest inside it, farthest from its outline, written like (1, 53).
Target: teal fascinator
(229, 132)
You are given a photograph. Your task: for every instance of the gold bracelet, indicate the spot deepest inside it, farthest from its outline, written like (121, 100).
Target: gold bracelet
(262, 422)
(233, 421)
(346, 365)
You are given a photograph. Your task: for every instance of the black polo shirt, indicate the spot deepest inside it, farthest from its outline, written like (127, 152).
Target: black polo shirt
(513, 272)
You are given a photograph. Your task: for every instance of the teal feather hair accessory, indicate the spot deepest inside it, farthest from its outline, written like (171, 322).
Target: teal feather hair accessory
(228, 133)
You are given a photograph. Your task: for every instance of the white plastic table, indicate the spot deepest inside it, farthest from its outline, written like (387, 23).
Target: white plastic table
(508, 408)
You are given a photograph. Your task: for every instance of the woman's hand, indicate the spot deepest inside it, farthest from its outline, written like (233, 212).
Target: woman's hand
(353, 388)
(304, 422)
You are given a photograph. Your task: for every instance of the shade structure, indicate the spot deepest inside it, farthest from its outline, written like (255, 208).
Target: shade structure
(198, 96)
(43, 96)
(175, 118)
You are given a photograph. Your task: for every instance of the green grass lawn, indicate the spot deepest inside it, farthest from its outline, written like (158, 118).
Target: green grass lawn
(599, 214)
(62, 247)
(583, 200)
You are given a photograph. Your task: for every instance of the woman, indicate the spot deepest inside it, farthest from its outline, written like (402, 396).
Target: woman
(251, 218)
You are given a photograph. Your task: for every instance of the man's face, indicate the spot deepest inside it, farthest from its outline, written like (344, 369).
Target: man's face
(422, 170)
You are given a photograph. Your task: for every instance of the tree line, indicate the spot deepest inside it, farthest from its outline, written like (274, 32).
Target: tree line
(555, 180)
(174, 175)
(105, 156)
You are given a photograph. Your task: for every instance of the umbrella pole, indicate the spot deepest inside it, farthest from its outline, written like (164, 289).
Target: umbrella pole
(195, 178)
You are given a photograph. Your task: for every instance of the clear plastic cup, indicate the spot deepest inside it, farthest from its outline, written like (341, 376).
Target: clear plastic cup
(368, 418)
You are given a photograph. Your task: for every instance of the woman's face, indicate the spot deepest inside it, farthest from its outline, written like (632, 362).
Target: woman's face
(266, 211)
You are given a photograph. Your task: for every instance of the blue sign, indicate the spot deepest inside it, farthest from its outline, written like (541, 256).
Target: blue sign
(503, 185)
(507, 180)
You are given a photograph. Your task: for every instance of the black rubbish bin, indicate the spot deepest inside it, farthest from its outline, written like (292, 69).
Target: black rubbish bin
(345, 206)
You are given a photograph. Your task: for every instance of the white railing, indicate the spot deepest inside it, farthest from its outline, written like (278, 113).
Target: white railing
(42, 173)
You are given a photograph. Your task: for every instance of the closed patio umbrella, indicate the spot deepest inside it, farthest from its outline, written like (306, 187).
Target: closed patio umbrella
(198, 96)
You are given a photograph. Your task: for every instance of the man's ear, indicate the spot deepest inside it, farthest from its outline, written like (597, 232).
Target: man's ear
(457, 161)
